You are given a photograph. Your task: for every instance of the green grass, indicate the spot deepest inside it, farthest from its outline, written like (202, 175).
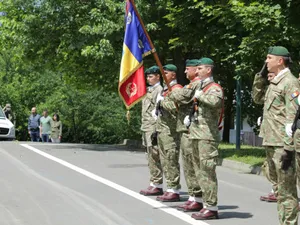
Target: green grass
(254, 156)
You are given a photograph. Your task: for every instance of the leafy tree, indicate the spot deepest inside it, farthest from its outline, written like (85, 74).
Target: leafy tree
(65, 55)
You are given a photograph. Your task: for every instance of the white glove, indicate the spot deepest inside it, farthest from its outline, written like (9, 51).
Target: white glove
(159, 98)
(259, 121)
(288, 129)
(187, 121)
(198, 93)
(298, 99)
(153, 113)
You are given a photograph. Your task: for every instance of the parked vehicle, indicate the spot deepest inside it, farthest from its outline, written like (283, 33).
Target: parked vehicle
(7, 128)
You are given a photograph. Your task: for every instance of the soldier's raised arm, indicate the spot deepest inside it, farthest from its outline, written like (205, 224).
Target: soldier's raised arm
(213, 97)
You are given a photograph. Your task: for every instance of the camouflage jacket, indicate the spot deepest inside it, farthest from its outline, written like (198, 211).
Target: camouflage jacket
(184, 98)
(279, 109)
(148, 105)
(167, 122)
(209, 110)
(259, 89)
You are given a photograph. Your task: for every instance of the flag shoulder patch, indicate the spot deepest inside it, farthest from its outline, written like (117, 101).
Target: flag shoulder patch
(295, 94)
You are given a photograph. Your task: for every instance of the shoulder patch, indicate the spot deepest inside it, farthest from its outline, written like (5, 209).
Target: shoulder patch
(295, 94)
(189, 86)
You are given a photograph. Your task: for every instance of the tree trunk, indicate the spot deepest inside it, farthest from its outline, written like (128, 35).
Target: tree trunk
(228, 114)
(178, 60)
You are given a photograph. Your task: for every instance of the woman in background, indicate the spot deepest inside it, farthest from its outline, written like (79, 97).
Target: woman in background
(56, 129)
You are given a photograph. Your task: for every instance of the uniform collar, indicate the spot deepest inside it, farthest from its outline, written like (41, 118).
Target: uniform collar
(195, 79)
(206, 81)
(172, 83)
(280, 75)
(155, 85)
(151, 88)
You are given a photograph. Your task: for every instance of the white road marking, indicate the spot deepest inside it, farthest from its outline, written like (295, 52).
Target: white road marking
(174, 212)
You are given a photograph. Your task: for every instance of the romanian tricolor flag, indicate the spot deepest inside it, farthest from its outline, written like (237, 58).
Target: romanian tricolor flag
(132, 84)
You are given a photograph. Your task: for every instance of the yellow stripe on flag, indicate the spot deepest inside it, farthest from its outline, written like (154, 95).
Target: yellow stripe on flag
(128, 64)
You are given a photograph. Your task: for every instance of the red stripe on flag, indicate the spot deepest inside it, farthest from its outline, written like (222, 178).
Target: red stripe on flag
(127, 7)
(134, 87)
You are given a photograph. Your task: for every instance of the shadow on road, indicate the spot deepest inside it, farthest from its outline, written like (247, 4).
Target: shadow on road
(240, 215)
(127, 165)
(223, 207)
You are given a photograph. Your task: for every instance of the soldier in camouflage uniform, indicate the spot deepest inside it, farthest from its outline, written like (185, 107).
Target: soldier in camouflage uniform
(184, 99)
(295, 133)
(149, 128)
(168, 138)
(279, 112)
(204, 134)
(258, 93)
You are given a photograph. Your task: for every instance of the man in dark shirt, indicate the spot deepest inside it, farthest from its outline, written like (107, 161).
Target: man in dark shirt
(34, 125)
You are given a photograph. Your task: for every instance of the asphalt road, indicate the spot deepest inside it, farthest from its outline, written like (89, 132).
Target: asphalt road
(68, 184)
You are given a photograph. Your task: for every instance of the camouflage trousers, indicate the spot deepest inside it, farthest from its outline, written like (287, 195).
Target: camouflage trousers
(270, 174)
(154, 164)
(298, 167)
(168, 145)
(297, 149)
(205, 155)
(286, 192)
(188, 167)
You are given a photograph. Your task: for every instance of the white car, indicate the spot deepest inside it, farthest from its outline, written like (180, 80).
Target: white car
(7, 128)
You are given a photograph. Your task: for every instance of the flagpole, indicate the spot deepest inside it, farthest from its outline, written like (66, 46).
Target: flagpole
(152, 47)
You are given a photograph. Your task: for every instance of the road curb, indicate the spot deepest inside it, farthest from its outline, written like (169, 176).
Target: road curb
(239, 166)
(136, 145)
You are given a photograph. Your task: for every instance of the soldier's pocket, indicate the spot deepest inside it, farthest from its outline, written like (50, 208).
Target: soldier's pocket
(209, 165)
(171, 151)
(274, 98)
(208, 150)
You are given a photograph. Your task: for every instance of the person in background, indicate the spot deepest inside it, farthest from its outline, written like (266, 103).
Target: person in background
(56, 129)
(45, 126)
(9, 114)
(34, 125)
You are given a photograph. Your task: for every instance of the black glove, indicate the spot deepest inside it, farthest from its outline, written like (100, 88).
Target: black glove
(264, 71)
(154, 139)
(286, 159)
(159, 109)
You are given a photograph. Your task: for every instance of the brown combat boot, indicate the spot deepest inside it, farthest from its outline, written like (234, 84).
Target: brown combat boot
(205, 214)
(151, 191)
(269, 198)
(194, 207)
(181, 207)
(168, 197)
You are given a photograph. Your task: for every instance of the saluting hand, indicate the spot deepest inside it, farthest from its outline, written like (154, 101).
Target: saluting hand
(264, 71)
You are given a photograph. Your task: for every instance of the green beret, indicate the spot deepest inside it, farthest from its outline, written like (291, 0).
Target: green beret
(152, 70)
(278, 50)
(192, 62)
(170, 67)
(206, 61)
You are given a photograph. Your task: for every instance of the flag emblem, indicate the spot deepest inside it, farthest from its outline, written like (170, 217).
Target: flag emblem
(295, 94)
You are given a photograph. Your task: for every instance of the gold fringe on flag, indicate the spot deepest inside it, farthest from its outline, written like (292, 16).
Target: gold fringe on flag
(128, 116)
